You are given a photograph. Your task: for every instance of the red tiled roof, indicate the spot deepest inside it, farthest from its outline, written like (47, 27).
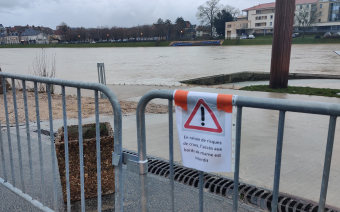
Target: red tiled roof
(272, 4)
(58, 32)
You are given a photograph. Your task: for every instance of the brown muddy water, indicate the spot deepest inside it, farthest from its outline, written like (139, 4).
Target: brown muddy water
(168, 65)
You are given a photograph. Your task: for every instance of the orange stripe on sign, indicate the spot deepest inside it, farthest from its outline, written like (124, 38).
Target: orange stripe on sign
(181, 99)
(224, 102)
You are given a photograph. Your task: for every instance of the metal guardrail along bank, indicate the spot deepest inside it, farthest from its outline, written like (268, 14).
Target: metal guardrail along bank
(19, 180)
(283, 106)
(9, 179)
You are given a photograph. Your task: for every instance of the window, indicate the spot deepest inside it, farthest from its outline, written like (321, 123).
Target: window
(260, 24)
(258, 11)
(228, 26)
(271, 23)
(320, 5)
(320, 13)
(271, 17)
(307, 6)
(301, 7)
(319, 20)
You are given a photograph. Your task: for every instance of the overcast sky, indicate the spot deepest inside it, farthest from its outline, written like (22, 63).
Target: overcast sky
(91, 13)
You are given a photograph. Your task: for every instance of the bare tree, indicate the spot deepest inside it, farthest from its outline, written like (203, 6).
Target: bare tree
(64, 29)
(160, 21)
(207, 12)
(93, 34)
(167, 23)
(305, 18)
(106, 33)
(82, 33)
(232, 10)
(40, 67)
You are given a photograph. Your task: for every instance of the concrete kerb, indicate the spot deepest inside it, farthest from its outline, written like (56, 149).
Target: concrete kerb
(251, 76)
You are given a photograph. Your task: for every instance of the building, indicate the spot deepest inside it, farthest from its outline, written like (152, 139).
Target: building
(31, 35)
(260, 19)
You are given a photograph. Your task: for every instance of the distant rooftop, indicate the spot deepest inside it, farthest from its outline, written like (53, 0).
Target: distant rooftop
(272, 4)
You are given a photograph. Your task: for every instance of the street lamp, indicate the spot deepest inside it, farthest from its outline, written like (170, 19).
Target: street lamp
(79, 37)
(107, 37)
(181, 33)
(141, 34)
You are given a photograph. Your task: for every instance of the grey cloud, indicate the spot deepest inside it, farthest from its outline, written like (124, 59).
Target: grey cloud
(89, 13)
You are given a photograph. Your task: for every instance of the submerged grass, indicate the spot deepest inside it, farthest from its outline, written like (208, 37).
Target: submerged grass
(268, 40)
(296, 90)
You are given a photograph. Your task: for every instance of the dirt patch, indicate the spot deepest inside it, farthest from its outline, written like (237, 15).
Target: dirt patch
(88, 107)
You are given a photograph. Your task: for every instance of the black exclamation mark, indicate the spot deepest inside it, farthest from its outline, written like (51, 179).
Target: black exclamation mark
(202, 115)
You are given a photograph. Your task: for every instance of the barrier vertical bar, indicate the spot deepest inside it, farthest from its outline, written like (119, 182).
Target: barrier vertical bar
(99, 185)
(118, 149)
(8, 131)
(39, 142)
(53, 156)
(2, 155)
(237, 157)
(278, 160)
(28, 134)
(327, 163)
(81, 152)
(18, 135)
(171, 158)
(67, 168)
(201, 203)
(141, 139)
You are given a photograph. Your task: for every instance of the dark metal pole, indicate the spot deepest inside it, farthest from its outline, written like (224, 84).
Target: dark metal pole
(282, 42)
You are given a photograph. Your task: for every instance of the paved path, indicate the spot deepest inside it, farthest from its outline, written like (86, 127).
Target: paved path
(303, 149)
(186, 198)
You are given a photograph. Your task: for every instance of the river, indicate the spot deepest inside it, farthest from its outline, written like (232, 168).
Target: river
(168, 65)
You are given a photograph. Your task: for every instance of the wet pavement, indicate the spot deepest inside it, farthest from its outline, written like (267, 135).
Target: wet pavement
(303, 145)
(186, 198)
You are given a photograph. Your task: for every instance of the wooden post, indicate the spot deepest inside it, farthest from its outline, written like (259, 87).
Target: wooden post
(282, 42)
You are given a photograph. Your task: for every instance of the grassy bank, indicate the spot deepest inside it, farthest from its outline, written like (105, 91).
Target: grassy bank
(259, 40)
(268, 40)
(296, 90)
(90, 45)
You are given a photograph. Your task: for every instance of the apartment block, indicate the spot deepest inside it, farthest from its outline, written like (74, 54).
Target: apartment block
(259, 19)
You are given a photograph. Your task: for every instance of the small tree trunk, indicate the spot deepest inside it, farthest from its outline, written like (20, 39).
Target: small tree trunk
(282, 42)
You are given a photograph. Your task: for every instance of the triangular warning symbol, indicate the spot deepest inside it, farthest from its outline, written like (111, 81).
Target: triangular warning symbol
(200, 120)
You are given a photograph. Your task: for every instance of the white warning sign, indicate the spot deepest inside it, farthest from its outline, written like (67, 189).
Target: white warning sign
(205, 129)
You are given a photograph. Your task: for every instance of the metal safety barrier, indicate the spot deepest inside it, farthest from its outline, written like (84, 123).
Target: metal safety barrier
(12, 184)
(332, 110)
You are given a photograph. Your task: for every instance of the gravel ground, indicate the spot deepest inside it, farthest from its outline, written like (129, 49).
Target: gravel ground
(88, 107)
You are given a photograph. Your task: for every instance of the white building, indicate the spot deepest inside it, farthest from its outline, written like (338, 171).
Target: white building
(260, 18)
(33, 36)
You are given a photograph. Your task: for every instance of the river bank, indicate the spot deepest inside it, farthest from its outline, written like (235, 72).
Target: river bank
(259, 40)
(88, 107)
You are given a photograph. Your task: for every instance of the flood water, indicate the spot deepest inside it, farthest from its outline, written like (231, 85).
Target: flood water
(168, 65)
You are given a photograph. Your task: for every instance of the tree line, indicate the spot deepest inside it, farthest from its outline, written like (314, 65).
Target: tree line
(162, 29)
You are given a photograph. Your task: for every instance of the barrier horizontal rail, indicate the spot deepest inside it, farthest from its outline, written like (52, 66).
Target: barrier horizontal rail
(96, 87)
(329, 109)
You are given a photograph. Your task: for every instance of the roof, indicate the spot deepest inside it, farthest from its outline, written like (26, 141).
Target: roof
(30, 32)
(272, 4)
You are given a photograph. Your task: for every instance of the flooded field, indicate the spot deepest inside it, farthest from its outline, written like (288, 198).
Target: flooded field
(168, 65)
